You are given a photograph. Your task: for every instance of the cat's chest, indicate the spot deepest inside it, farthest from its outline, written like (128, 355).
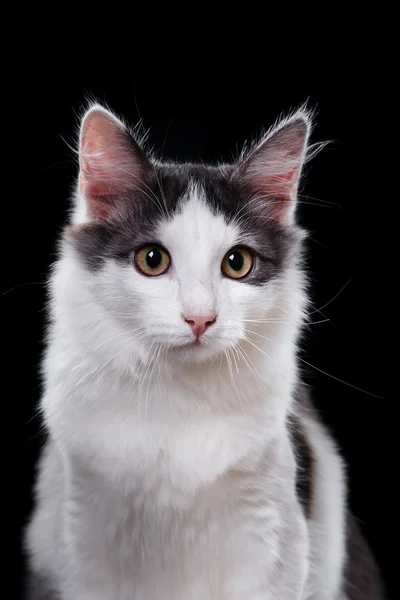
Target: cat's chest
(167, 461)
(151, 443)
(196, 549)
(187, 554)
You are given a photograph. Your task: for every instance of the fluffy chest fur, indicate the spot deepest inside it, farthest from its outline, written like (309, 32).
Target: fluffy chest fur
(158, 539)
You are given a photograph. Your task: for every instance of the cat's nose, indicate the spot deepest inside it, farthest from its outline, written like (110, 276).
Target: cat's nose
(199, 323)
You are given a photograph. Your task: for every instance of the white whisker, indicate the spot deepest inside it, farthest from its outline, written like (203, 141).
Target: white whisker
(257, 348)
(110, 359)
(229, 363)
(143, 377)
(334, 297)
(155, 363)
(93, 348)
(262, 336)
(242, 352)
(340, 380)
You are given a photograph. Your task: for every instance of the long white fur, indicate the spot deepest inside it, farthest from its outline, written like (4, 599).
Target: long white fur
(169, 473)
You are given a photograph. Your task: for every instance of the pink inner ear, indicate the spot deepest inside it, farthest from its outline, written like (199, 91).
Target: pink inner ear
(280, 186)
(279, 193)
(108, 163)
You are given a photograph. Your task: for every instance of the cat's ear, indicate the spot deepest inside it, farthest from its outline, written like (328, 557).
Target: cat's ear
(271, 171)
(111, 164)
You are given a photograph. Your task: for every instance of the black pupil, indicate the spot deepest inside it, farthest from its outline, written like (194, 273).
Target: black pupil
(236, 261)
(154, 258)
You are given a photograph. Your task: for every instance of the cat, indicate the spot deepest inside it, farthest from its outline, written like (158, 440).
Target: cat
(184, 458)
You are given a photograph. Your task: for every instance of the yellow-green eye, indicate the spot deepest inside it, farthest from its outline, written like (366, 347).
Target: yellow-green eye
(237, 263)
(152, 260)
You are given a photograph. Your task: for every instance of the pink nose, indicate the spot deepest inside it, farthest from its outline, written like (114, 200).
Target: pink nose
(199, 324)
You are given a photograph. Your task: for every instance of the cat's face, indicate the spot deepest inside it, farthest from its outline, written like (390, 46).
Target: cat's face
(185, 257)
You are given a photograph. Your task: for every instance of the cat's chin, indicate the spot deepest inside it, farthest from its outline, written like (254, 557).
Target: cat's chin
(195, 352)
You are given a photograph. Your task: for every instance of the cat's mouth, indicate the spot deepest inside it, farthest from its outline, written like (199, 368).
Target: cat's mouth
(193, 344)
(193, 349)
(198, 350)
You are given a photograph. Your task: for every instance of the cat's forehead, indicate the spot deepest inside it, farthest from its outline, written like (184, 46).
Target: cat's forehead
(179, 183)
(196, 227)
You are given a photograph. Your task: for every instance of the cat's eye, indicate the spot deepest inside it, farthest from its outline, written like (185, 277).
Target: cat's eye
(237, 263)
(152, 260)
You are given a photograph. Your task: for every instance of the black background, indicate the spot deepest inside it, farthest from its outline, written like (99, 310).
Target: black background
(341, 207)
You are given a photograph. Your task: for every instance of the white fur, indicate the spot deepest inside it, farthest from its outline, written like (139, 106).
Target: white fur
(169, 472)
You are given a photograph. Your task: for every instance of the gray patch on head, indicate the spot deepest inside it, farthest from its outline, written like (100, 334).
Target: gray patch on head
(161, 198)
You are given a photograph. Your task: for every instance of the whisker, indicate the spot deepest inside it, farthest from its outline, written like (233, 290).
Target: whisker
(333, 204)
(265, 321)
(234, 359)
(154, 358)
(109, 360)
(334, 297)
(139, 329)
(316, 368)
(248, 360)
(257, 348)
(229, 363)
(15, 287)
(262, 336)
(338, 208)
(142, 380)
(318, 322)
(340, 380)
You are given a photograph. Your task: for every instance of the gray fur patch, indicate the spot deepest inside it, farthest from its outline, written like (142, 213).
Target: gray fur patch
(160, 199)
(304, 465)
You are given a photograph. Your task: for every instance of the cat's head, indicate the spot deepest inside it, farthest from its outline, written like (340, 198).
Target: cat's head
(186, 257)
